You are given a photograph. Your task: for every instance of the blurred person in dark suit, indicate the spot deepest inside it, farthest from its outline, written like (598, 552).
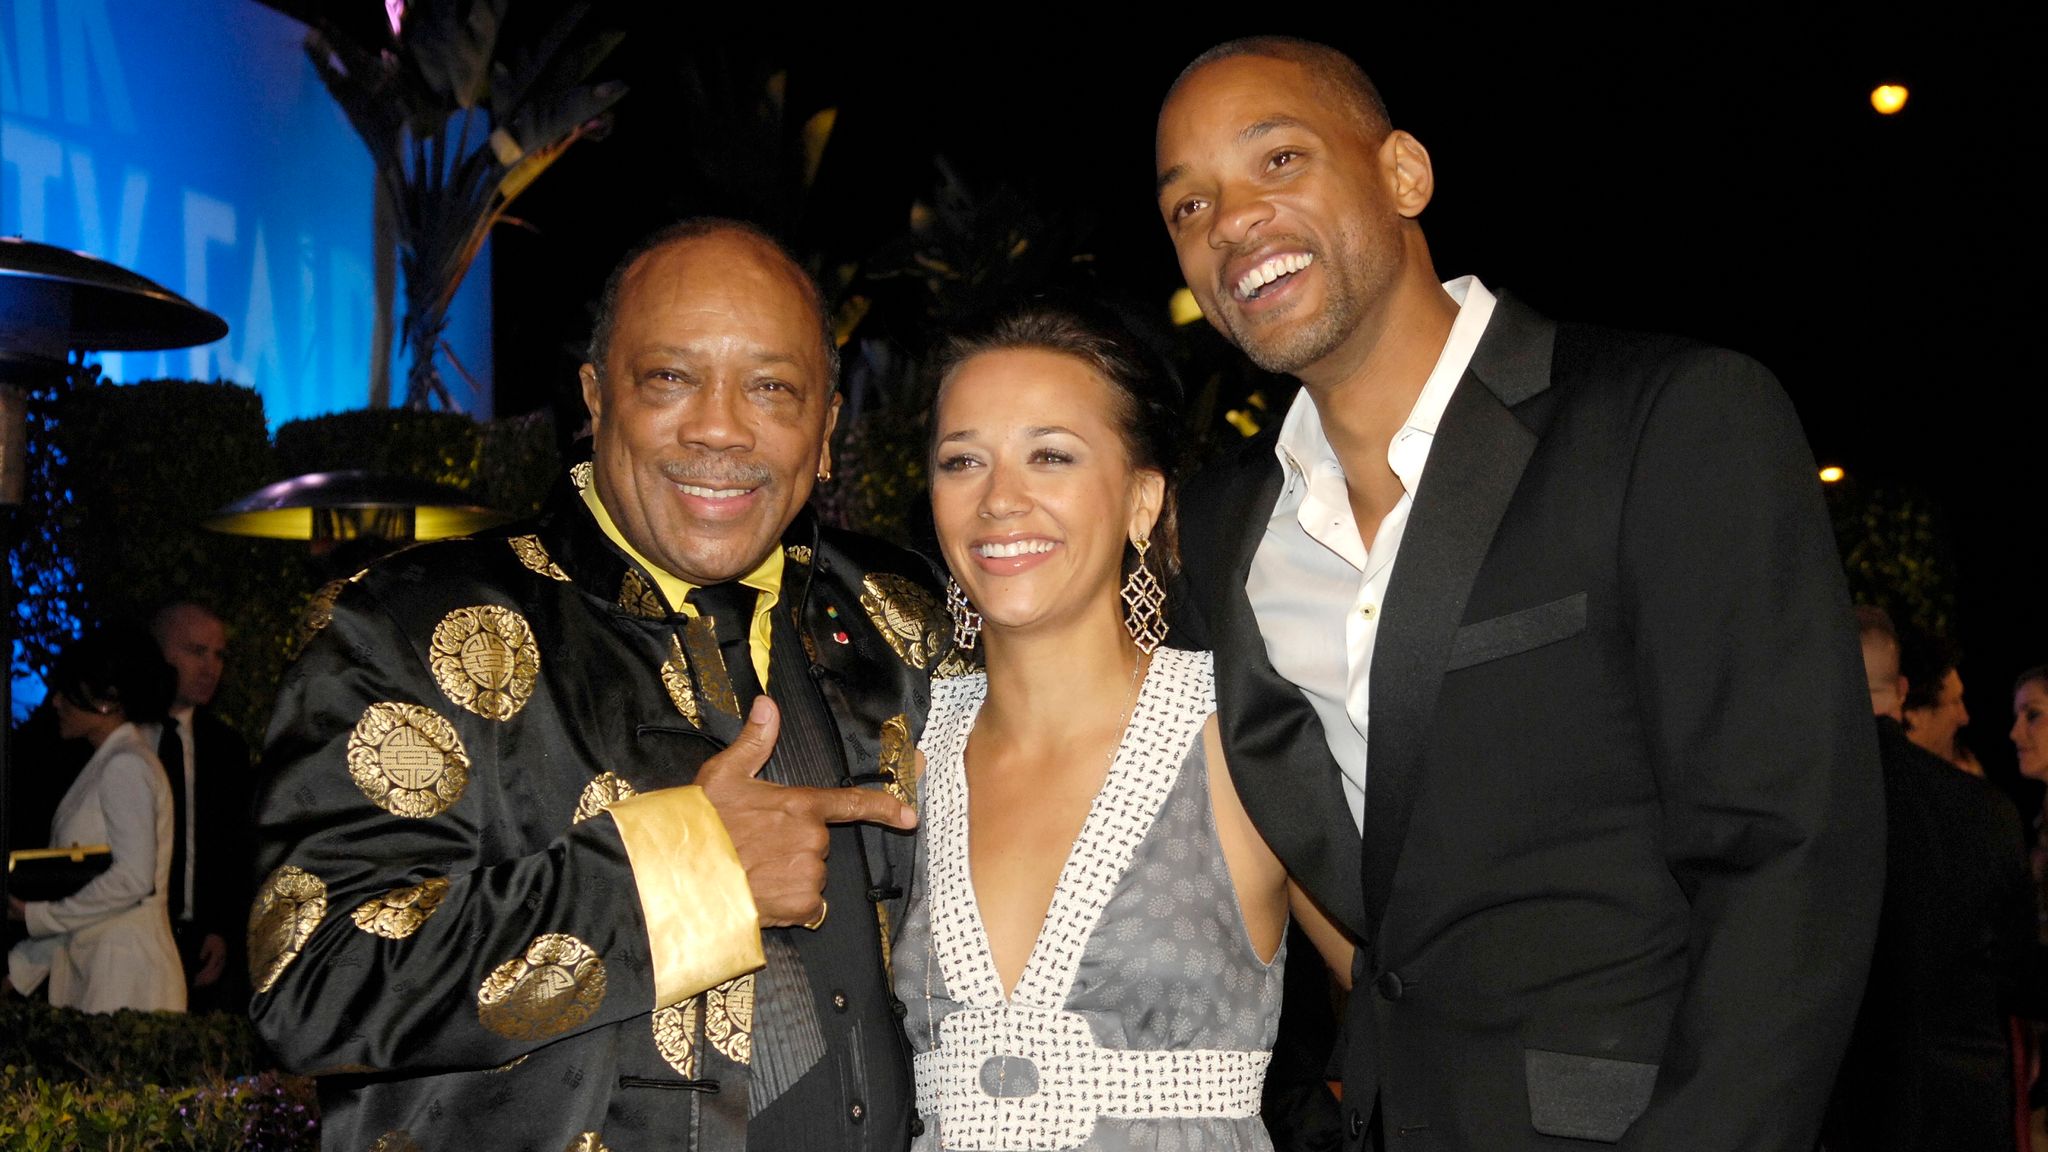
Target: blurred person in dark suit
(1934, 713)
(207, 765)
(1930, 1066)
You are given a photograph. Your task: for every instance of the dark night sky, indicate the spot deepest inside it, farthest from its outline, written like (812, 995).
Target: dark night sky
(1723, 177)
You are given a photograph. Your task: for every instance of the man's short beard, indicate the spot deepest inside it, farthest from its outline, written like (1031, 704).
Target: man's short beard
(1342, 311)
(1288, 355)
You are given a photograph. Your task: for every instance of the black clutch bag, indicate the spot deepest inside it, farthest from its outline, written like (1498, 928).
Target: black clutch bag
(54, 873)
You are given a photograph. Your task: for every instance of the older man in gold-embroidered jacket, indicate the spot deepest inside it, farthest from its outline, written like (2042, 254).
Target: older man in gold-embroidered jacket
(525, 888)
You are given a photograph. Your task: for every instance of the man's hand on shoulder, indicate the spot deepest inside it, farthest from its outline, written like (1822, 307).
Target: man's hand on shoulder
(782, 833)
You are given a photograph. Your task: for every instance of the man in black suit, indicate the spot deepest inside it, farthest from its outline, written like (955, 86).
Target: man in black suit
(207, 764)
(1929, 1067)
(1610, 865)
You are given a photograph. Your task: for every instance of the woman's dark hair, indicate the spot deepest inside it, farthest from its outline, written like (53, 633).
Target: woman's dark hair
(1146, 390)
(2036, 674)
(116, 665)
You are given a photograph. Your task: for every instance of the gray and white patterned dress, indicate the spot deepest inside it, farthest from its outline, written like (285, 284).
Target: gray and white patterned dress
(1143, 1019)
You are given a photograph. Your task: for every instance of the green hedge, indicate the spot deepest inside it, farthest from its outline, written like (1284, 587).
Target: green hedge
(144, 1080)
(144, 463)
(125, 474)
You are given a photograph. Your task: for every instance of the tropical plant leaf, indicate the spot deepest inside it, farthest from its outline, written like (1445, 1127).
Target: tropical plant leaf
(461, 111)
(563, 115)
(562, 58)
(452, 42)
(816, 135)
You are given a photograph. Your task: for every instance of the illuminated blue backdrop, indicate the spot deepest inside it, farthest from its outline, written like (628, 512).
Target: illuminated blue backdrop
(193, 143)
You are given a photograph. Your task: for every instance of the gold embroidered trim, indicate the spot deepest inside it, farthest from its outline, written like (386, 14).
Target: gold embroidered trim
(675, 1036)
(675, 676)
(953, 665)
(906, 615)
(640, 598)
(801, 553)
(729, 1018)
(714, 685)
(899, 759)
(556, 984)
(603, 791)
(408, 760)
(485, 659)
(579, 475)
(318, 614)
(400, 912)
(534, 555)
(509, 1065)
(287, 909)
(399, 1141)
(588, 1142)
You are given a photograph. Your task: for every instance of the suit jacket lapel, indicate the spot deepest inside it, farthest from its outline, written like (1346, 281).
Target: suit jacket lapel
(1475, 463)
(1280, 760)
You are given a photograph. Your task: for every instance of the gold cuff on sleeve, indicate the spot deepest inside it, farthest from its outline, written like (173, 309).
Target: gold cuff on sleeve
(702, 926)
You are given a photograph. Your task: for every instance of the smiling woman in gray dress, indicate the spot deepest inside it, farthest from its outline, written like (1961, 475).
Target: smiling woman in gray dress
(1092, 955)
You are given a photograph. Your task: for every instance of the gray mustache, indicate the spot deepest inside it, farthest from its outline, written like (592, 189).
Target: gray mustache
(717, 473)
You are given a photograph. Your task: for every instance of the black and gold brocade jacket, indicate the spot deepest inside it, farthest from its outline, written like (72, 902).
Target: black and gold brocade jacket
(491, 918)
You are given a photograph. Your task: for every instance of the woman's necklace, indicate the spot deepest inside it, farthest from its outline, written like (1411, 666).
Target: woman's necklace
(1123, 726)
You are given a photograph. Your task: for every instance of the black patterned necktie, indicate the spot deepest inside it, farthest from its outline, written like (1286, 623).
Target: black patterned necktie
(171, 751)
(730, 607)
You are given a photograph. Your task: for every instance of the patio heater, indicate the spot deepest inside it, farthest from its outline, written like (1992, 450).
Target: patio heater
(54, 302)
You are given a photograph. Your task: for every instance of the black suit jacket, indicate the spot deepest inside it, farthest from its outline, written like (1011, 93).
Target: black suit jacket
(1617, 879)
(1930, 1066)
(224, 829)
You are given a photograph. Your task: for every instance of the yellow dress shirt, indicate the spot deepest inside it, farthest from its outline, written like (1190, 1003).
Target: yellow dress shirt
(766, 578)
(702, 926)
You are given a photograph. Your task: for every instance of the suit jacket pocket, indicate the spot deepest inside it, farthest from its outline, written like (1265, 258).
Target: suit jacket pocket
(1518, 631)
(1585, 1097)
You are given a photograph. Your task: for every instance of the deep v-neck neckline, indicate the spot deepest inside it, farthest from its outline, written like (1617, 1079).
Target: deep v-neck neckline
(1062, 885)
(1173, 700)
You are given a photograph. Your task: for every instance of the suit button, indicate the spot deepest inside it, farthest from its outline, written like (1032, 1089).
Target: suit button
(1389, 985)
(899, 1008)
(838, 1001)
(1357, 1124)
(916, 1125)
(856, 1113)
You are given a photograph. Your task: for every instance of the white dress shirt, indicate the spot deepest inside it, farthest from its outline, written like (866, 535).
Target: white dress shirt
(1315, 587)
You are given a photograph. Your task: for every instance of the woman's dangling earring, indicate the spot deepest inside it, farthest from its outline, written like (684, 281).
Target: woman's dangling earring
(1144, 603)
(966, 621)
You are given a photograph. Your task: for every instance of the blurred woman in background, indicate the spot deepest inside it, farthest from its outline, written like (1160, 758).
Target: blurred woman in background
(108, 945)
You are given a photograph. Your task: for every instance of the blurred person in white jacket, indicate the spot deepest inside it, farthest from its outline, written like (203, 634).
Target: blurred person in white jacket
(108, 945)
